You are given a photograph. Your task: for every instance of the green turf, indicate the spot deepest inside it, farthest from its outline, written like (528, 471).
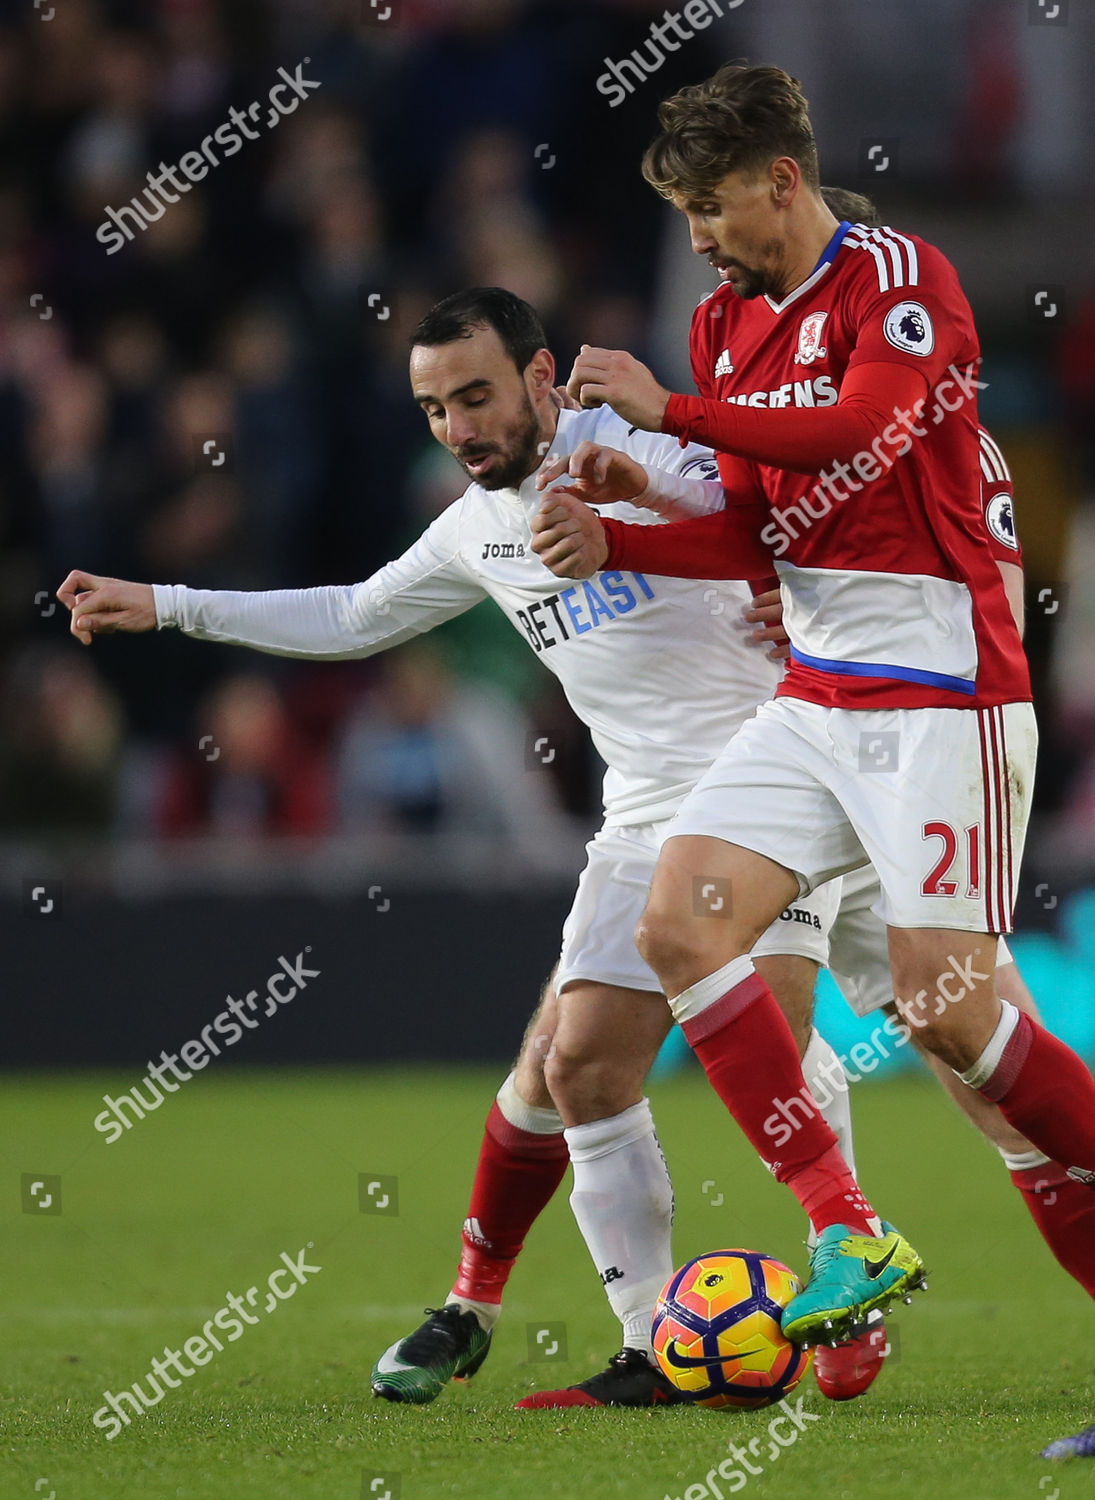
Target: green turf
(203, 1196)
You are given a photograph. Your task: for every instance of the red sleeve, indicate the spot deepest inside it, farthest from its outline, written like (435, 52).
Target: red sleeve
(998, 502)
(807, 439)
(725, 545)
(923, 323)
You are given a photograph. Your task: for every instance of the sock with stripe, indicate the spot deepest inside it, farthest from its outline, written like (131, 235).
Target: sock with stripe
(522, 1160)
(1063, 1210)
(1043, 1090)
(741, 1037)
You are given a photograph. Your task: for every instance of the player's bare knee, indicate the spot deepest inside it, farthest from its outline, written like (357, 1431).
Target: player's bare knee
(530, 1082)
(536, 1047)
(586, 1088)
(669, 946)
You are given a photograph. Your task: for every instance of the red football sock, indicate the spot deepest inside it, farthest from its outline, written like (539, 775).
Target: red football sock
(518, 1173)
(1064, 1212)
(749, 1055)
(1047, 1093)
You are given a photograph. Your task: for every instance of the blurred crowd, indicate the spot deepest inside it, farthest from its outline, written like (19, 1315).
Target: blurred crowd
(224, 400)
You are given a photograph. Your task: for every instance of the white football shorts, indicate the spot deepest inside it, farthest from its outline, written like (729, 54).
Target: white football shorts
(598, 934)
(937, 799)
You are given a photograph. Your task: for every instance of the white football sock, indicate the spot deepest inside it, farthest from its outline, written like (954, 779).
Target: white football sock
(827, 1081)
(623, 1202)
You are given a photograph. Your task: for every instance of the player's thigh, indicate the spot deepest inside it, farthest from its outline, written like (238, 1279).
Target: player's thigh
(539, 1035)
(944, 986)
(759, 829)
(606, 1040)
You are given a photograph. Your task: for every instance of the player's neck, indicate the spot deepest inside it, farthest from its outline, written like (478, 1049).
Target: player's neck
(805, 249)
(549, 425)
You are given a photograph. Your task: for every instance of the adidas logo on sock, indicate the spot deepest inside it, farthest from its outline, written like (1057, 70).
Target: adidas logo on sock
(473, 1231)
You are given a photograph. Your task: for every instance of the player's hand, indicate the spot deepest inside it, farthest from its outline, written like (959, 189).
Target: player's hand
(568, 537)
(766, 612)
(602, 476)
(618, 379)
(564, 400)
(100, 606)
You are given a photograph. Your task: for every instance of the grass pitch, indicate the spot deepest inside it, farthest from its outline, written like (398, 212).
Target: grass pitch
(202, 1197)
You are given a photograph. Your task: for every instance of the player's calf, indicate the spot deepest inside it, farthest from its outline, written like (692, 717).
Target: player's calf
(944, 982)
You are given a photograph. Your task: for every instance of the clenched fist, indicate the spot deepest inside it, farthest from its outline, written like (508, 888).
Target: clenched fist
(615, 378)
(568, 537)
(100, 606)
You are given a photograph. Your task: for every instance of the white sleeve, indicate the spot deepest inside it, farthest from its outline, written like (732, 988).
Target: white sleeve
(429, 584)
(681, 482)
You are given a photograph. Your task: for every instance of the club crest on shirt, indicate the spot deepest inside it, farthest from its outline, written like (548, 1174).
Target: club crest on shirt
(1001, 520)
(724, 365)
(909, 327)
(810, 346)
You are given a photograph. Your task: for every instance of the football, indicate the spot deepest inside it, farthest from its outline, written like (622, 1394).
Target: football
(716, 1330)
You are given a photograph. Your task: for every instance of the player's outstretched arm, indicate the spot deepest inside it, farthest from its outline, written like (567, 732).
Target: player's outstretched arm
(100, 606)
(430, 583)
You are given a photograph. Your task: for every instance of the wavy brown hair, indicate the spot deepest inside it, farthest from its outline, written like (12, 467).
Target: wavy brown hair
(740, 119)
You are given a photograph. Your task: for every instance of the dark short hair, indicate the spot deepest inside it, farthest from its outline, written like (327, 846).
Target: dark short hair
(848, 205)
(740, 119)
(514, 320)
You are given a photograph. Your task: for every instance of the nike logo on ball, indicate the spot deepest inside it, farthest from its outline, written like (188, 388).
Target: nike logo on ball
(687, 1362)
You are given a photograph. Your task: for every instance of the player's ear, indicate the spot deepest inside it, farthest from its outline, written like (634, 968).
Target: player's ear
(785, 176)
(540, 373)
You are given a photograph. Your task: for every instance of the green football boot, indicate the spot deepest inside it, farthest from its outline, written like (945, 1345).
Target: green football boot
(850, 1276)
(450, 1345)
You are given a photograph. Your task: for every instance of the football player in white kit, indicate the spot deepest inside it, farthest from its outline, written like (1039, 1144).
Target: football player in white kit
(625, 649)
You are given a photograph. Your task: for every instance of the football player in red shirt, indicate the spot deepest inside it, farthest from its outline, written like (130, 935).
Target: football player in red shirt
(837, 366)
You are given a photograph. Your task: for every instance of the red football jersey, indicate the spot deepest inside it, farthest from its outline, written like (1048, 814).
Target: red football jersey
(893, 597)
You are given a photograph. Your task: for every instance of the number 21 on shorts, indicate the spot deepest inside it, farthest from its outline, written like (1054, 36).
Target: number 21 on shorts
(940, 879)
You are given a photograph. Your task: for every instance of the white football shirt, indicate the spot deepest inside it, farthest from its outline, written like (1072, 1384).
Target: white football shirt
(662, 670)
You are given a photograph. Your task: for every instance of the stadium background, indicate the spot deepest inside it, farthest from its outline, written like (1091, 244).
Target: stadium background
(174, 816)
(224, 402)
